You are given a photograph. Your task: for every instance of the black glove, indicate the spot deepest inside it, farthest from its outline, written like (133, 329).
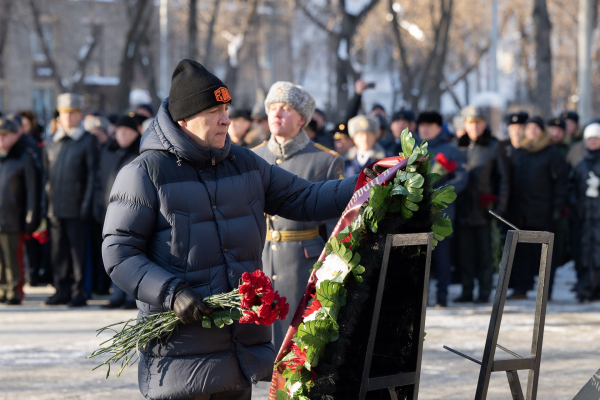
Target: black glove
(188, 305)
(372, 173)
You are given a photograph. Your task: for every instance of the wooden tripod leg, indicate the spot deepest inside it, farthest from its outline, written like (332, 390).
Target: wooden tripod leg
(515, 385)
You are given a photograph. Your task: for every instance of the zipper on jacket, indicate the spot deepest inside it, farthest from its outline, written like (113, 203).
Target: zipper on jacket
(213, 161)
(178, 160)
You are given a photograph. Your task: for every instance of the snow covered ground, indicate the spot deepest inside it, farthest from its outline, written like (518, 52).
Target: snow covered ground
(42, 349)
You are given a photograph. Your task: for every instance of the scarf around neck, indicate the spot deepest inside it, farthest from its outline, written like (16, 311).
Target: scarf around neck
(289, 148)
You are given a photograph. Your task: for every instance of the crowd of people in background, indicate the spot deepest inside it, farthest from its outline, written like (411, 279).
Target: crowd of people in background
(55, 184)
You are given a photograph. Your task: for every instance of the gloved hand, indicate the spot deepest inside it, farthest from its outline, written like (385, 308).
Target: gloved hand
(188, 305)
(372, 173)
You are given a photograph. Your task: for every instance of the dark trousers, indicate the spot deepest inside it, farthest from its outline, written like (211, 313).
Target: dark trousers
(10, 274)
(245, 394)
(69, 240)
(526, 265)
(475, 247)
(442, 263)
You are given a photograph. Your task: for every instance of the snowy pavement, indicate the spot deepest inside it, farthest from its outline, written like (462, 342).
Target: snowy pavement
(43, 349)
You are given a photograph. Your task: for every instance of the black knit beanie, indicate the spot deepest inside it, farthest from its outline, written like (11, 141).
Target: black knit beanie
(128, 122)
(538, 121)
(194, 89)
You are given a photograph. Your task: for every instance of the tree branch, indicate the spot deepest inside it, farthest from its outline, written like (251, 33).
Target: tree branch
(50, 60)
(365, 11)
(314, 20)
(84, 58)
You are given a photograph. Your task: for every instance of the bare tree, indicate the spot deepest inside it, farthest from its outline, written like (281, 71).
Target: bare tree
(5, 5)
(237, 43)
(342, 32)
(75, 84)
(192, 30)
(208, 45)
(543, 58)
(136, 33)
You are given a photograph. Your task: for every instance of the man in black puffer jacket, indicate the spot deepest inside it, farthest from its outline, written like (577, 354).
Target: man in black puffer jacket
(538, 197)
(20, 193)
(185, 221)
(487, 188)
(70, 158)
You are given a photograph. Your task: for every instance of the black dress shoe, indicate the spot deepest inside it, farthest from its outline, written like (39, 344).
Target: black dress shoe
(464, 299)
(14, 301)
(78, 301)
(112, 305)
(56, 299)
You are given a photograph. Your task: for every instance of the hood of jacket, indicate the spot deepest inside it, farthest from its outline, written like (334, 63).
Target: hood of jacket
(164, 134)
(536, 145)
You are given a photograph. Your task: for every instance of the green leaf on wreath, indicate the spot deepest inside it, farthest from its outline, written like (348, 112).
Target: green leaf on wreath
(415, 180)
(282, 395)
(316, 333)
(359, 269)
(206, 322)
(400, 190)
(407, 142)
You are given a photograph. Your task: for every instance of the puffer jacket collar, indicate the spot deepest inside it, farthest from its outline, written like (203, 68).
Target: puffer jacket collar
(164, 135)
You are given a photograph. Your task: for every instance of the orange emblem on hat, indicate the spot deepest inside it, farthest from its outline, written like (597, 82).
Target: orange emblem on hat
(222, 94)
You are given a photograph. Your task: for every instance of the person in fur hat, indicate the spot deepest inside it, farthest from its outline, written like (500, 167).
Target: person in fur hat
(294, 246)
(537, 197)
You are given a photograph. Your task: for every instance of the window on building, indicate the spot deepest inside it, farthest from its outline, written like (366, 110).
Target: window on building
(43, 100)
(37, 50)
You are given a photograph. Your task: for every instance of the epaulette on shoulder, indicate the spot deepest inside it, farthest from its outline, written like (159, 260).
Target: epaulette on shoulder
(326, 149)
(259, 146)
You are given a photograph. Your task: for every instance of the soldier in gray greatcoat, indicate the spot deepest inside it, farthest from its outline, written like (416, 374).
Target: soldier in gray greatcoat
(293, 247)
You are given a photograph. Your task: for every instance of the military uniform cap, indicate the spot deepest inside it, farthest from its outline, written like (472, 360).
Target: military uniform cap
(361, 123)
(407, 115)
(559, 122)
(516, 118)
(258, 112)
(570, 115)
(98, 122)
(293, 95)
(341, 131)
(7, 126)
(472, 114)
(69, 102)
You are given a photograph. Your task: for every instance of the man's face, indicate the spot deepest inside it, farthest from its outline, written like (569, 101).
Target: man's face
(263, 125)
(125, 136)
(364, 141)
(515, 133)
(571, 127)
(532, 131)
(7, 141)
(100, 134)
(429, 131)
(284, 121)
(377, 111)
(208, 128)
(26, 125)
(593, 143)
(556, 133)
(475, 128)
(342, 146)
(398, 126)
(238, 129)
(69, 119)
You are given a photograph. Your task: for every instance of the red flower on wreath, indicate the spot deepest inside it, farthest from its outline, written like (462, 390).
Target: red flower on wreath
(298, 360)
(448, 165)
(314, 307)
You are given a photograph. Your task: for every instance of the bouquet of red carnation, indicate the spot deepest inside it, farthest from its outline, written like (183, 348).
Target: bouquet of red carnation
(254, 301)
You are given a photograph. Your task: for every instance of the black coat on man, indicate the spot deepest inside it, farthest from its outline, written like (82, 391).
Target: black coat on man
(20, 190)
(70, 162)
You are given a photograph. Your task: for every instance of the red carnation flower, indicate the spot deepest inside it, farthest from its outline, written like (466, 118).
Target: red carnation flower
(297, 362)
(314, 307)
(448, 165)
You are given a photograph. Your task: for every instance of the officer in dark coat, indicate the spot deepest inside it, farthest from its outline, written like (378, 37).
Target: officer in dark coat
(537, 198)
(515, 123)
(70, 161)
(363, 131)
(20, 193)
(293, 246)
(487, 188)
(185, 221)
(449, 163)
